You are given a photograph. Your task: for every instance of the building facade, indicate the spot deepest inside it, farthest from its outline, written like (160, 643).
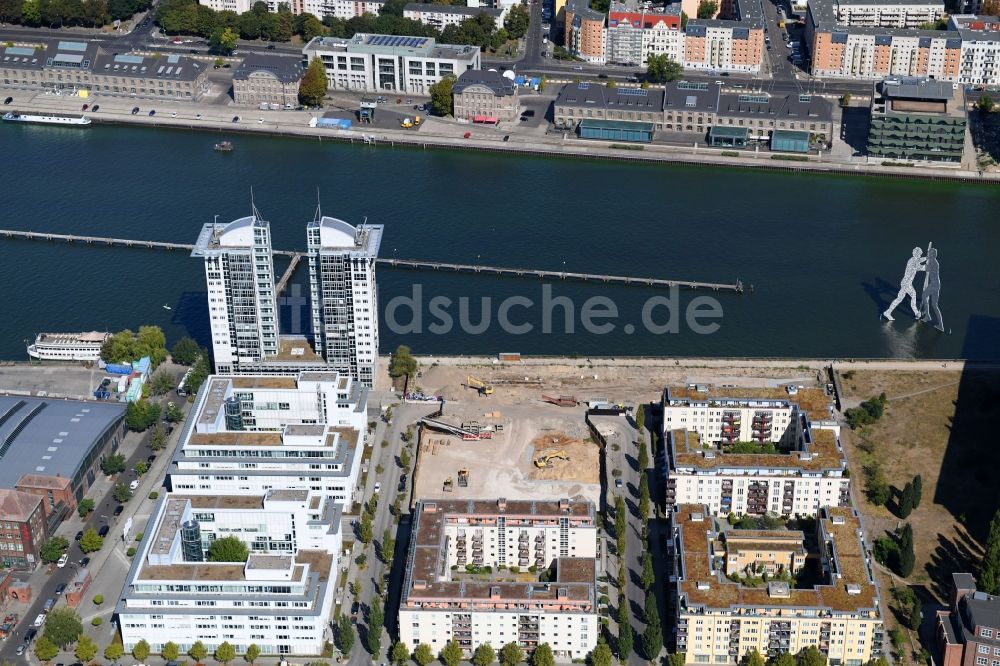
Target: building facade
(280, 599)
(720, 620)
(583, 32)
(754, 452)
(917, 120)
(485, 96)
(389, 63)
(266, 79)
(249, 434)
(22, 529)
(239, 272)
(344, 296)
(84, 66)
(441, 16)
(968, 634)
(444, 601)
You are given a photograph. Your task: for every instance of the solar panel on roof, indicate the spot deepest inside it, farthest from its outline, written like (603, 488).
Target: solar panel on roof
(132, 59)
(72, 46)
(68, 58)
(689, 85)
(632, 92)
(755, 99)
(21, 51)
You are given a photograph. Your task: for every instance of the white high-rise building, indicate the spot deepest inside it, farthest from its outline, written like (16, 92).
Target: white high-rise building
(239, 272)
(343, 295)
(280, 599)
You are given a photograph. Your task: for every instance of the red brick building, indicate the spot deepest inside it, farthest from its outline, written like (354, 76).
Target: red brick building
(22, 528)
(969, 634)
(54, 490)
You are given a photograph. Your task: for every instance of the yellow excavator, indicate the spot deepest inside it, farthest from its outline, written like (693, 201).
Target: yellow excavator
(479, 385)
(546, 460)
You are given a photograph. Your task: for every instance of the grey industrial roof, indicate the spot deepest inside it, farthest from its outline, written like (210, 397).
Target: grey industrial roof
(983, 609)
(287, 69)
(171, 66)
(50, 437)
(787, 106)
(597, 95)
(499, 84)
(917, 89)
(427, 7)
(747, 13)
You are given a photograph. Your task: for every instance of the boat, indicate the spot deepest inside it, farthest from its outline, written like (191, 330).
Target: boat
(224, 146)
(15, 117)
(68, 346)
(167, 307)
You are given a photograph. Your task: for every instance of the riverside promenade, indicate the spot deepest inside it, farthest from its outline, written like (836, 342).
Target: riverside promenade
(438, 133)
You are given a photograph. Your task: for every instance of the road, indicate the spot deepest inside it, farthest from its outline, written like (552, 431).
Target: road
(103, 514)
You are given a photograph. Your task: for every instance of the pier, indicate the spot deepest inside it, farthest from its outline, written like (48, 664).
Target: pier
(415, 264)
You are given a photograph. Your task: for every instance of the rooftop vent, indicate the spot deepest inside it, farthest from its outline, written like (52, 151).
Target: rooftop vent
(853, 588)
(697, 517)
(837, 520)
(704, 585)
(777, 589)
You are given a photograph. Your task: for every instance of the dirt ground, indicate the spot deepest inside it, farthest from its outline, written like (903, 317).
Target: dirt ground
(938, 425)
(583, 462)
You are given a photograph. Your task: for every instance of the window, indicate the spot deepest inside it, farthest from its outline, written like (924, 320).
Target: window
(981, 661)
(984, 649)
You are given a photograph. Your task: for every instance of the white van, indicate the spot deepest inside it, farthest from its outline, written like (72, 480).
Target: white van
(40, 620)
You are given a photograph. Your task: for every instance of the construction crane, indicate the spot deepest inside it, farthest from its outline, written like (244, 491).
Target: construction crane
(463, 477)
(478, 384)
(546, 460)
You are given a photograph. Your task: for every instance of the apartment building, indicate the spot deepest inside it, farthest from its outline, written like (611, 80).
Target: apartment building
(342, 9)
(344, 296)
(876, 41)
(753, 451)
(636, 31)
(486, 96)
(441, 16)
(249, 434)
(84, 66)
(968, 634)
(583, 34)
(22, 529)
(917, 120)
(722, 613)
(447, 595)
(267, 79)
(389, 63)
(280, 599)
(239, 273)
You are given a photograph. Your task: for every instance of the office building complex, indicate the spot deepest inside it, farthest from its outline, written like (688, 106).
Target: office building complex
(343, 295)
(724, 608)
(389, 63)
(248, 434)
(917, 120)
(753, 451)
(280, 599)
(445, 597)
(239, 272)
(969, 633)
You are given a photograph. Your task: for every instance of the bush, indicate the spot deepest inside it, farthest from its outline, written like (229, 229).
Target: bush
(866, 413)
(729, 153)
(790, 158)
(98, 599)
(97, 622)
(154, 495)
(130, 552)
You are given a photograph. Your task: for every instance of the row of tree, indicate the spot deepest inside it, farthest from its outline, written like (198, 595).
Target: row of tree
(126, 346)
(224, 653)
(59, 13)
(509, 655)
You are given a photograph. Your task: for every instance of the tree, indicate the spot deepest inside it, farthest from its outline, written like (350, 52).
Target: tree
(662, 69)
(174, 413)
(810, 656)
(122, 493)
(225, 653)
(517, 21)
(114, 652)
(387, 546)
(601, 654)
(45, 649)
(753, 658)
(53, 549)
(423, 655)
(442, 102)
(228, 549)
(345, 634)
(652, 636)
(85, 506)
(376, 620)
(707, 9)
(878, 661)
(676, 659)
(365, 529)
(312, 87)
(139, 416)
(906, 501)
(404, 460)
(907, 559)
(161, 383)
(542, 656)
(876, 486)
(451, 654)
(624, 641)
(198, 651)
(86, 648)
(141, 650)
(642, 457)
(399, 654)
(170, 651)
(224, 40)
(91, 541)
(989, 573)
(402, 363)
(141, 467)
(252, 653)
(648, 576)
(915, 614)
(158, 439)
(985, 104)
(918, 490)
(643, 496)
(120, 347)
(783, 659)
(511, 654)
(484, 655)
(845, 100)
(185, 351)
(113, 464)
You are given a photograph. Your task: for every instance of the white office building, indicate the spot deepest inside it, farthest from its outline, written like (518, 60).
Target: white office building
(239, 273)
(250, 434)
(343, 295)
(389, 63)
(445, 598)
(280, 599)
(753, 451)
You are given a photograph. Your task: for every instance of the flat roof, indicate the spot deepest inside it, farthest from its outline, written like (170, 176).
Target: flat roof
(823, 453)
(598, 123)
(813, 401)
(48, 437)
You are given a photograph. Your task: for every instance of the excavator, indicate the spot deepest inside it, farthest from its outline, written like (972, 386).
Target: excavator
(449, 485)
(478, 384)
(546, 460)
(463, 477)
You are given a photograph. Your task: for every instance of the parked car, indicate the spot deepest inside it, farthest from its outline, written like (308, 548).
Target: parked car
(79, 535)
(135, 110)
(62, 560)
(20, 649)
(85, 107)
(40, 620)
(85, 561)
(8, 100)
(104, 530)
(506, 137)
(236, 119)
(60, 589)
(96, 107)
(150, 459)
(134, 484)
(378, 486)
(618, 483)
(152, 112)
(119, 509)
